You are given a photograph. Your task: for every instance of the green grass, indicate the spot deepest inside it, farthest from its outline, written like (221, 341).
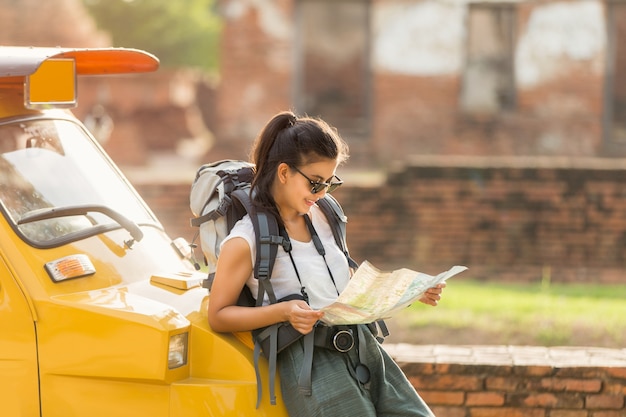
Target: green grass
(549, 314)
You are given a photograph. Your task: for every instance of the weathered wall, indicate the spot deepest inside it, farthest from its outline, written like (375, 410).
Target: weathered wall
(417, 59)
(418, 69)
(507, 219)
(255, 72)
(149, 114)
(417, 56)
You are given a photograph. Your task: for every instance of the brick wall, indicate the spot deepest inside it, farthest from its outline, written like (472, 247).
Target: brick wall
(255, 72)
(516, 381)
(508, 219)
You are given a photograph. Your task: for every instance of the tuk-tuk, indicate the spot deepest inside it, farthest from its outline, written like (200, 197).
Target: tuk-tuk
(101, 312)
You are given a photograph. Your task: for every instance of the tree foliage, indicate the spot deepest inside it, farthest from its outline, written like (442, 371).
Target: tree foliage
(179, 32)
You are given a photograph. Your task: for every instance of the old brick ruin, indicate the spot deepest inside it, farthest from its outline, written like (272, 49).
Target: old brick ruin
(397, 78)
(430, 77)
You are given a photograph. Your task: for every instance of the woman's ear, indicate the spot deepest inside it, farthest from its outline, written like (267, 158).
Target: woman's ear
(282, 172)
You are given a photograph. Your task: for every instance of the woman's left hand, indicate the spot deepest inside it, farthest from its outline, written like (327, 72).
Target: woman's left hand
(433, 295)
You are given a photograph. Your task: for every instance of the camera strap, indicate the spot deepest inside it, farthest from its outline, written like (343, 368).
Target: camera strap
(317, 242)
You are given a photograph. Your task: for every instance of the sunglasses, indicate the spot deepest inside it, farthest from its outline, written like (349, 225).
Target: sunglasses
(319, 186)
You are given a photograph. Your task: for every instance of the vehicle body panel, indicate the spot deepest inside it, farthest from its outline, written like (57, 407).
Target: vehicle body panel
(124, 330)
(18, 354)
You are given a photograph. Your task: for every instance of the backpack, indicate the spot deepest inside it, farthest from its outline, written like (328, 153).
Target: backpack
(220, 196)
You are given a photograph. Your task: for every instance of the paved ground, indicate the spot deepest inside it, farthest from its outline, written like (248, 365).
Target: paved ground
(509, 355)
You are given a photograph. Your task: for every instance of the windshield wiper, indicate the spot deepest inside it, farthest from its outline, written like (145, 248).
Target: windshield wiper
(55, 212)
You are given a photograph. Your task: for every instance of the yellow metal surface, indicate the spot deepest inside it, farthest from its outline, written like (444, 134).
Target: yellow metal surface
(19, 393)
(98, 344)
(103, 344)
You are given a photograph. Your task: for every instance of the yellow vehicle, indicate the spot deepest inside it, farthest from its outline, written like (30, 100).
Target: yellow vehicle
(101, 312)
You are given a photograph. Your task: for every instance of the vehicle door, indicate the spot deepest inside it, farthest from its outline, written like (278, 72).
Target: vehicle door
(19, 381)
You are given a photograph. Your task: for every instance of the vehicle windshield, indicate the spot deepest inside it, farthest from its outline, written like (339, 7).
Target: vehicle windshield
(46, 164)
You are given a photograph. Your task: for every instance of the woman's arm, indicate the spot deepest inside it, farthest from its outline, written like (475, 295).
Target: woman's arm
(234, 266)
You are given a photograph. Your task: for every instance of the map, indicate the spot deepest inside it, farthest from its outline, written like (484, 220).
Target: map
(372, 294)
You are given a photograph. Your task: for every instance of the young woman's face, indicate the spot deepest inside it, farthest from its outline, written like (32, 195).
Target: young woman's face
(300, 183)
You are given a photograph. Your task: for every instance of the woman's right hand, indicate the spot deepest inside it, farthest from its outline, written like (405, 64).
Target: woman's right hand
(301, 316)
(234, 266)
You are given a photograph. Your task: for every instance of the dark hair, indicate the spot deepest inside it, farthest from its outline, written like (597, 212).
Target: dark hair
(295, 141)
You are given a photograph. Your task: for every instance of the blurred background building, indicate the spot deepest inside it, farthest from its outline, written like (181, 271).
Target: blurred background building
(431, 77)
(499, 127)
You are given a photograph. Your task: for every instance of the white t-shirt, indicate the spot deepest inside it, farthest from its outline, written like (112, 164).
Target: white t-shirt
(311, 266)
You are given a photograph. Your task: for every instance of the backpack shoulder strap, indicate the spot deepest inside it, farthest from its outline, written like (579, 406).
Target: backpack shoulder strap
(268, 238)
(337, 220)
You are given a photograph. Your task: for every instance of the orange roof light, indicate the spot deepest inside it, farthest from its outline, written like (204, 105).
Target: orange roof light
(49, 74)
(53, 85)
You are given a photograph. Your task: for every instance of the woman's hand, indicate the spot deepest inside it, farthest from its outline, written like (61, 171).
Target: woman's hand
(433, 295)
(301, 316)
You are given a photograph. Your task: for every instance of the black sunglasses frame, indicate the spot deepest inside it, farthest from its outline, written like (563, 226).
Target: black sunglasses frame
(319, 186)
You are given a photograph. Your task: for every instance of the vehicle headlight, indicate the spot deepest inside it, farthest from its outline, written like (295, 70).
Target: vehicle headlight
(177, 351)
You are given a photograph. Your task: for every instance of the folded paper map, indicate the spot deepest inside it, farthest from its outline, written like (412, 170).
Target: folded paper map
(372, 294)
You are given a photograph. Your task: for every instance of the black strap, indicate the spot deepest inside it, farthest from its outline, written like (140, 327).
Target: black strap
(317, 242)
(214, 214)
(287, 247)
(337, 220)
(266, 250)
(230, 180)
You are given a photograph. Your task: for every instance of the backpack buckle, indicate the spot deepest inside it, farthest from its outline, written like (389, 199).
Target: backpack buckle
(264, 272)
(225, 204)
(277, 240)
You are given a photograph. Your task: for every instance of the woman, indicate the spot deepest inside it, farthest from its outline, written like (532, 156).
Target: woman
(296, 159)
